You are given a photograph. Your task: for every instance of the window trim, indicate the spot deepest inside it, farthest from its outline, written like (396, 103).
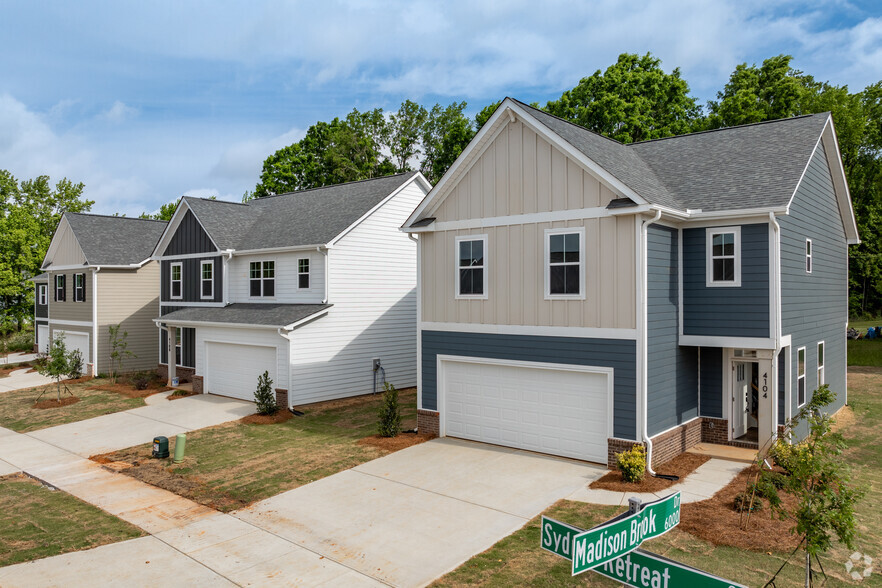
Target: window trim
(262, 279)
(822, 372)
(710, 232)
(546, 263)
(203, 280)
(172, 280)
(60, 287)
(302, 273)
(809, 250)
(801, 377)
(42, 294)
(486, 281)
(79, 292)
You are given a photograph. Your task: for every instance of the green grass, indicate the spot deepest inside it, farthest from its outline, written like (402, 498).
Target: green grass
(17, 410)
(518, 560)
(232, 465)
(36, 522)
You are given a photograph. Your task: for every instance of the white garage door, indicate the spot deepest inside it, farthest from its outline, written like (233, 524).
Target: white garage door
(546, 409)
(43, 338)
(74, 340)
(232, 370)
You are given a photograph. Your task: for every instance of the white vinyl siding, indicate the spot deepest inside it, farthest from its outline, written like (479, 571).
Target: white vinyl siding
(287, 277)
(723, 256)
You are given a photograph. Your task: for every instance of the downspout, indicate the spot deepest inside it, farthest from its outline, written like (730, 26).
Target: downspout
(776, 330)
(226, 257)
(287, 362)
(95, 321)
(327, 273)
(644, 341)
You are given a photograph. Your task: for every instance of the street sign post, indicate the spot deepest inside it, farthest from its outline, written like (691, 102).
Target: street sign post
(621, 536)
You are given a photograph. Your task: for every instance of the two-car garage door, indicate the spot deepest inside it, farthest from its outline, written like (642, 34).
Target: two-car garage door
(232, 369)
(548, 408)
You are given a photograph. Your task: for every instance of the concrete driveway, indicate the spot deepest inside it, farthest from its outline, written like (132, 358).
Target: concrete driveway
(23, 378)
(412, 516)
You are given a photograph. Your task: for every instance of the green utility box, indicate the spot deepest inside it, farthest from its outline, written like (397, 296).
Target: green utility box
(160, 447)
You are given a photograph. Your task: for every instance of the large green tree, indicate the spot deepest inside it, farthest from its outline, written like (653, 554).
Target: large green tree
(446, 132)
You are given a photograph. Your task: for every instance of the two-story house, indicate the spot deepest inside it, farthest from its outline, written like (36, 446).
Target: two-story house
(99, 274)
(311, 287)
(579, 295)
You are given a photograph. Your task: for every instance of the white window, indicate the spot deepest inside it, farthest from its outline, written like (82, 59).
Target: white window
(821, 376)
(79, 287)
(42, 297)
(177, 285)
(178, 344)
(808, 256)
(207, 279)
(800, 376)
(262, 275)
(59, 288)
(723, 256)
(303, 274)
(565, 263)
(471, 266)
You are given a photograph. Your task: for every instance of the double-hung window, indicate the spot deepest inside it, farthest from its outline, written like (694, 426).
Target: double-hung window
(471, 266)
(821, 375)
(42, 297)
(303, 274)
(263, 278)
(724, 256)
(176, 276)
(79, 287)
(207, 279)
(564, 263)
(800, 376)
(808, 256)
(59, 288)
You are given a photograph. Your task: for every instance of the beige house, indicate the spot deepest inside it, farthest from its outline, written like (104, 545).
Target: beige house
(100, 274)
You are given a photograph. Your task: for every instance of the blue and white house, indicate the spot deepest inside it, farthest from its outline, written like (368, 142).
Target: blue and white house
(578, 295)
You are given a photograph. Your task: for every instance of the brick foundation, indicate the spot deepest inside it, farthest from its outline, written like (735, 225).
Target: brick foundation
(428, 421)
(184, 374)
(282, 398)
(614, 447)
(669, 445)
(715, 431)
(197, 384)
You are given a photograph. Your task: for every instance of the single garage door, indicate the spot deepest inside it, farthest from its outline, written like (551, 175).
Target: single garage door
(43, 338)
(232, 369)
(538, 407)
(74, 340)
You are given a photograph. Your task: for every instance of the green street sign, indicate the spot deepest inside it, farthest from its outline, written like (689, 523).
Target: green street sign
(641, 569)
(557, 537)
(622, 535)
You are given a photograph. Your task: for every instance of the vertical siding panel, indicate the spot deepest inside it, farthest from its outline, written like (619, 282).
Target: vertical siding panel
(514, 282)
(488, 180)
(590, 191)
(532, 284)
(515, 167)
(543, 175)
(592, 272)
(501, 249)
(530, 169)
(475, 199)
(444, 272)
(558, 180)
(608, 268)
(501, 168)
(575, 190)
(606, 195)
(624, 279)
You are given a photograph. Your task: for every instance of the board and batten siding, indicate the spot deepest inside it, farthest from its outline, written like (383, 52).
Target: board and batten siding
(619, 354)
(815, 306)
(286, 272)
(672, 370)
(372, 281)
(65, 249)
(727, 311)
(129, 298)
(191, 280)
(68, 310)
(189, 237)
(711, 382)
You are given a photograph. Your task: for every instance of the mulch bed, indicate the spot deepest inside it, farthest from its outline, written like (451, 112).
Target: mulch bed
(717, 521)
(391, 444)
(682, 465)
(180, 394)
(267, 419)
(53, 403)
(128, 390)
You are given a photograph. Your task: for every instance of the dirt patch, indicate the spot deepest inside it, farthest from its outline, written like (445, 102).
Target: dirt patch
(681, 466)
(267, 419)
(843, 419)
(402, 441)
(79, 380)
(53, 403)
(717, 521)
(178, 394)
(329, 405)
(129, 391)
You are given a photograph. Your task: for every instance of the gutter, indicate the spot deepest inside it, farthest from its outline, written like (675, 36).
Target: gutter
(95, 320)
(644, 341)
(327, 272)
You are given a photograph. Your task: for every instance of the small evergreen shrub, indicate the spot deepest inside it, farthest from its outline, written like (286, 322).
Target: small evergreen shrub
(742, 502)
(389, 424)
(265, 396)
(632, 464)
(74, 364)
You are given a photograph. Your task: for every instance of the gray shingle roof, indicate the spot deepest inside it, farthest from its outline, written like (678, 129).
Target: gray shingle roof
(307, 217)
(115, 240)
(44, 277)
(270, 315)
(749, 166)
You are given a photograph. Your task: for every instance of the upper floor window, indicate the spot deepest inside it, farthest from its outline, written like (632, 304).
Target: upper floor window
(471, 266)
(177, 280)
(724, 256)
(59, 288)
(42, 296)
(207, 279)
(263, 278)
(808, 256)
(79, 287)
(303, 274)
(564, 263)
(800, 376)
(821, 377)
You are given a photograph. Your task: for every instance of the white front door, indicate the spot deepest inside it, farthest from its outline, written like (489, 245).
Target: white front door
(740, 398)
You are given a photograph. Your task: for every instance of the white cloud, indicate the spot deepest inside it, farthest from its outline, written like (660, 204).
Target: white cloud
(118, 112)
(243, 160)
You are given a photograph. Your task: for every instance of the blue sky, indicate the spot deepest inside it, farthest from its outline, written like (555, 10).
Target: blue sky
(144, 102)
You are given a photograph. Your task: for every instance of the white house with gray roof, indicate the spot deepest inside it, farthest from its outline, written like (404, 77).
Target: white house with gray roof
(579, 295)
(98, 273)
(310, 286)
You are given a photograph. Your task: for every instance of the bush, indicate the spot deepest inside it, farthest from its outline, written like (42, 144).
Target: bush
(21, 341)
(632, 464)
(265, 396)
(74, 364)
(742, 502)
(141, 380)
(390, 413)
(788, 455)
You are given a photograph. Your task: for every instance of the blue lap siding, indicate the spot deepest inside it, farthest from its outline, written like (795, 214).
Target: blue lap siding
(712, 382)
(621, 355)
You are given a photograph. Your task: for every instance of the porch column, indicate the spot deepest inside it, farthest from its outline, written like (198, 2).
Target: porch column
(767, 394)
(170, 352)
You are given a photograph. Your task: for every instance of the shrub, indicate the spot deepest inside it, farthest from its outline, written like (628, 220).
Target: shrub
(141, 380)
(74, 364)
(788, 455)
(265, 396)
(742, 502)
(632, 464)
(390, 413)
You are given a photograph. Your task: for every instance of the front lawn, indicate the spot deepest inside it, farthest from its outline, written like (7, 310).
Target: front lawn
(865, 351)
(37, 522)
(518, 560)
(232, 465)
